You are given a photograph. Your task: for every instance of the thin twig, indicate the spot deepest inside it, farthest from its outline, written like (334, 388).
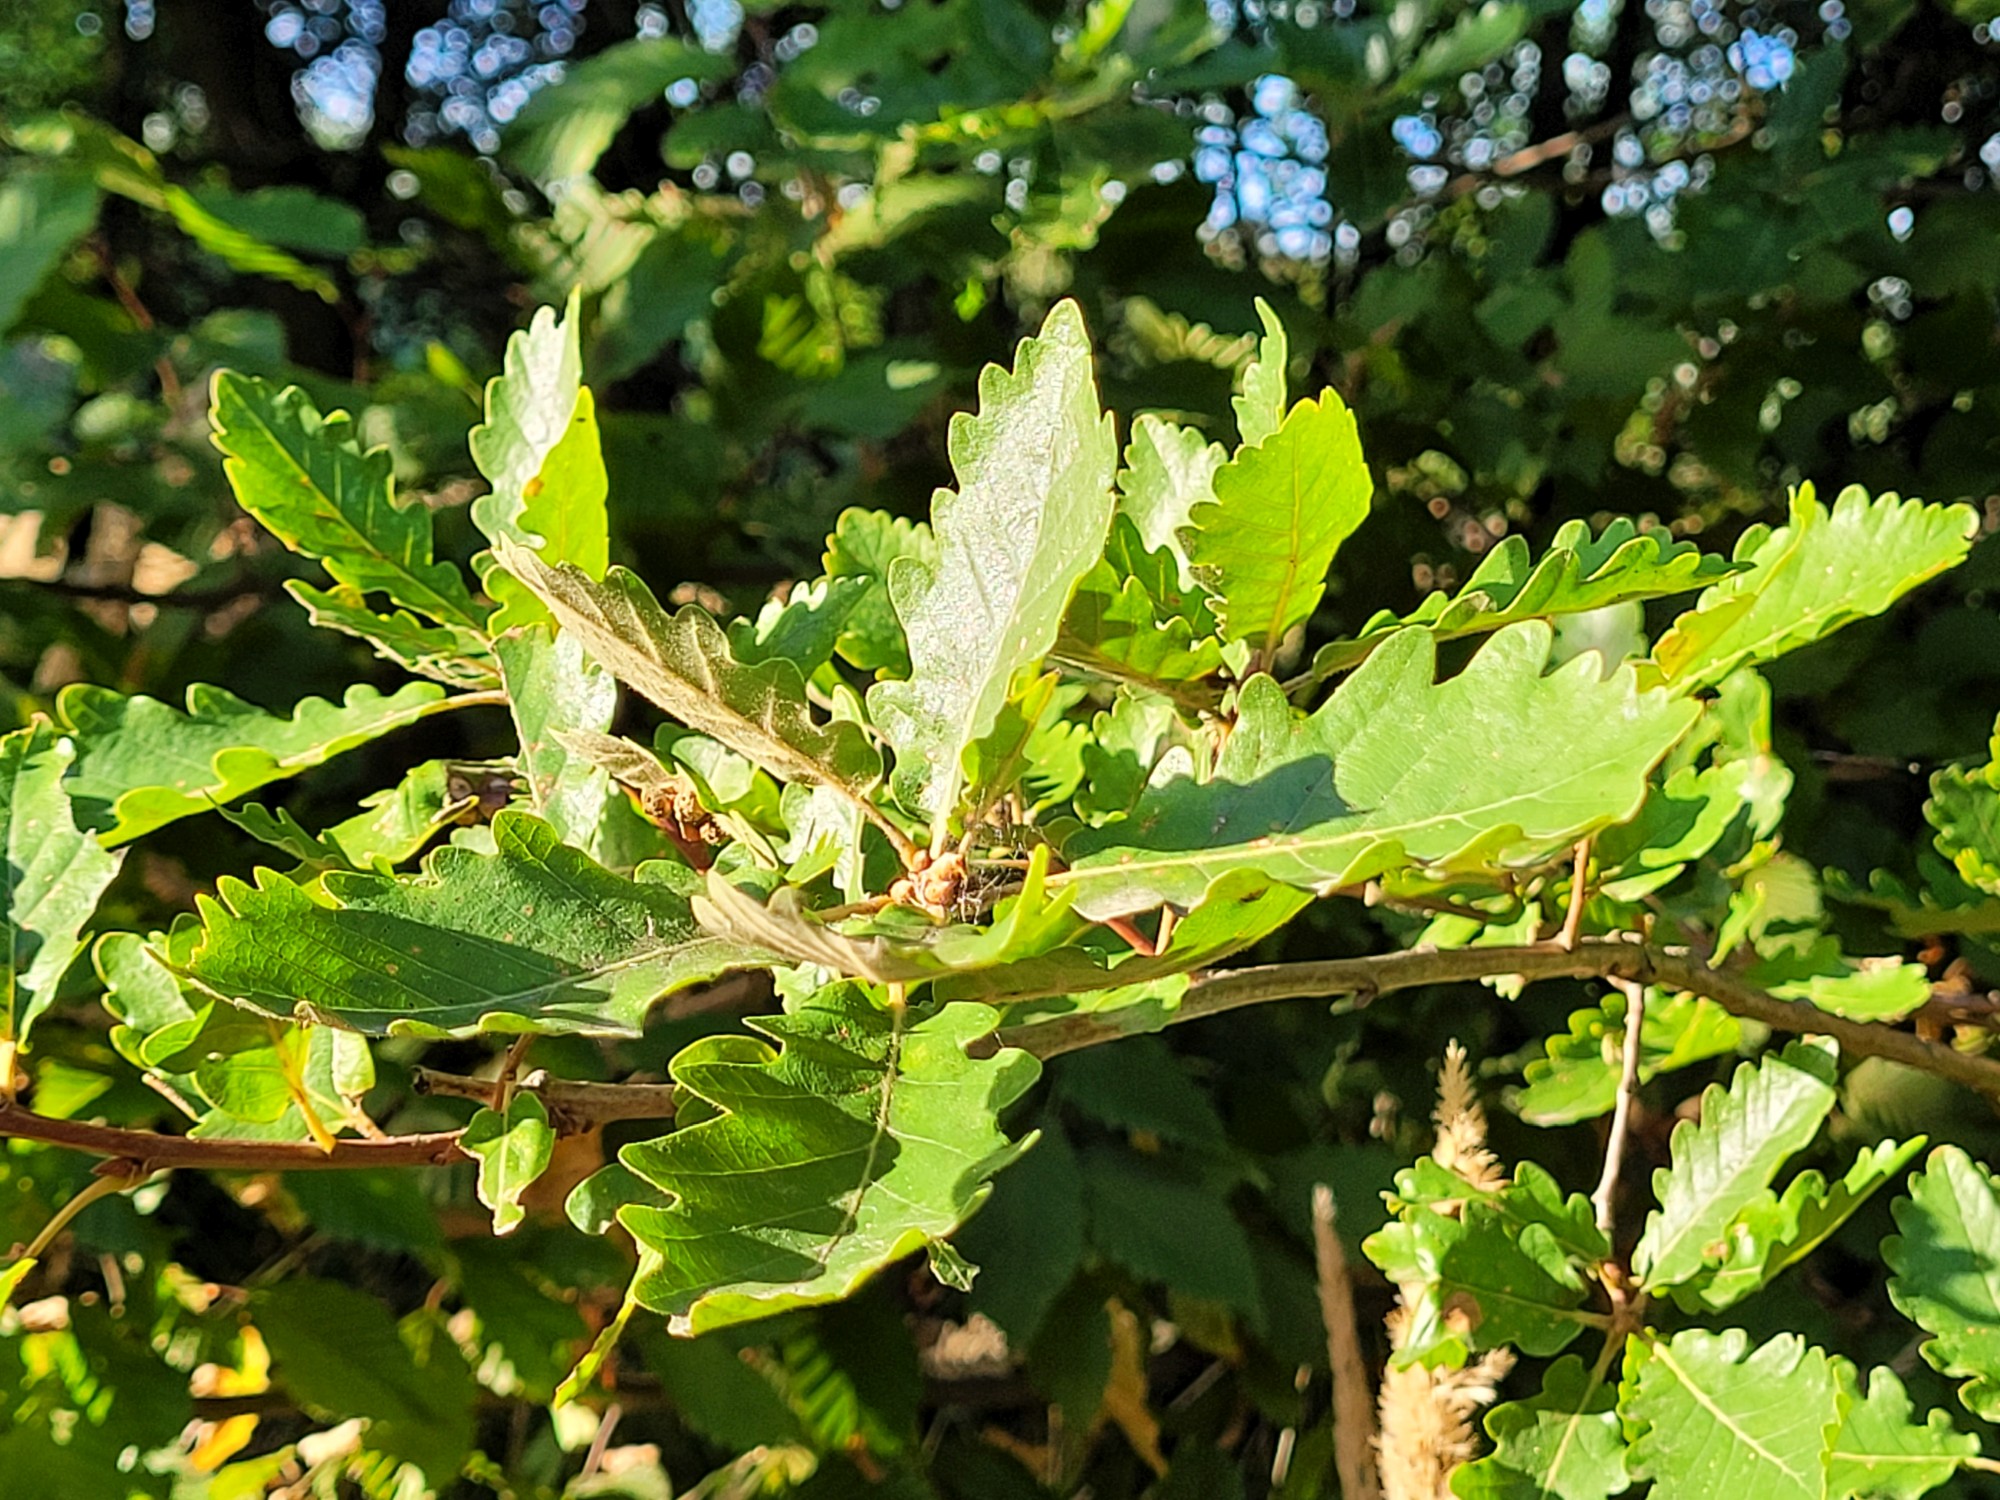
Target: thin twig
(1579, 897)
(1605, 1199)
(1593, 958)
(129, 1151)
(1353, 1401)
(107, 1186)
(606, 1425)
(572, 1107)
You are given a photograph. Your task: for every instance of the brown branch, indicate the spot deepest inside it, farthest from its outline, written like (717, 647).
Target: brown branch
(1592, 958)
(572, 1107)
(127, 1151)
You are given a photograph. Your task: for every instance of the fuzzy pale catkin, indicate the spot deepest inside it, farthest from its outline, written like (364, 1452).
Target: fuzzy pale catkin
(1425, 1416)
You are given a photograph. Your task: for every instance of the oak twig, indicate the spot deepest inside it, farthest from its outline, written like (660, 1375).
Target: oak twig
(1604, 1200)
(572, 1107)
(127, 1152)
(1674, 969)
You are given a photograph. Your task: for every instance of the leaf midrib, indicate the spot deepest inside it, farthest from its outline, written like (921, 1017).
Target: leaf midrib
(1664, 1354)
(439, 607)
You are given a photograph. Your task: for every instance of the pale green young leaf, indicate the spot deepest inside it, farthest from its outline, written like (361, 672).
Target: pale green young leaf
(1861, 989)
(257, 1076)
(554, 690)
(1946, 1272)
(1033, 506)
(1562, 1444)
(1807, 579)
(541, 451)
(452, 654)
(1281, 510)
(1578, 572)
(1140, 738)
(1478, 1280)
(307, 479)
(1505, 764)
(534, 937)
(1115, 632)
(513, 1147)
(1775, 1231)
(239, 1062)
(1683, 819)
(1728, 1157)
(531, 409)
(1260, 403)
(1715, 1418)
(1964, 808)
(140, 991)
(864, 545)
(1578, 1078)
(397, 823)
(683, 664)
(141, 764)
(1880, 1453)
(1169, 469)
(54, 872)
(868, 1136)
(562, 518)
(1026, 740)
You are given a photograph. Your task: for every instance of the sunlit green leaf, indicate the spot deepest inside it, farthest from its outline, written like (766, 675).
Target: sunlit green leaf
(534, 937)
(1943, 1263)
(513, 1147)
(1774, 1231)
(1727, 1158)
(554, 690)
(1578, 572)
(1034, 469)
(1281, 510)
(55, 872)
(1500, 765)
(1880, 1452)
(141, 764)
(869, 1134)
(1714, 1417)
(1578, 1079)
(540, 449)
(1260, 404)
(308, 480)
(1807, 579)
(1562, 1444)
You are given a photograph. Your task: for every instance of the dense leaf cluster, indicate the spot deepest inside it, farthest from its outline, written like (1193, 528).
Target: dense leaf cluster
(966, 827)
